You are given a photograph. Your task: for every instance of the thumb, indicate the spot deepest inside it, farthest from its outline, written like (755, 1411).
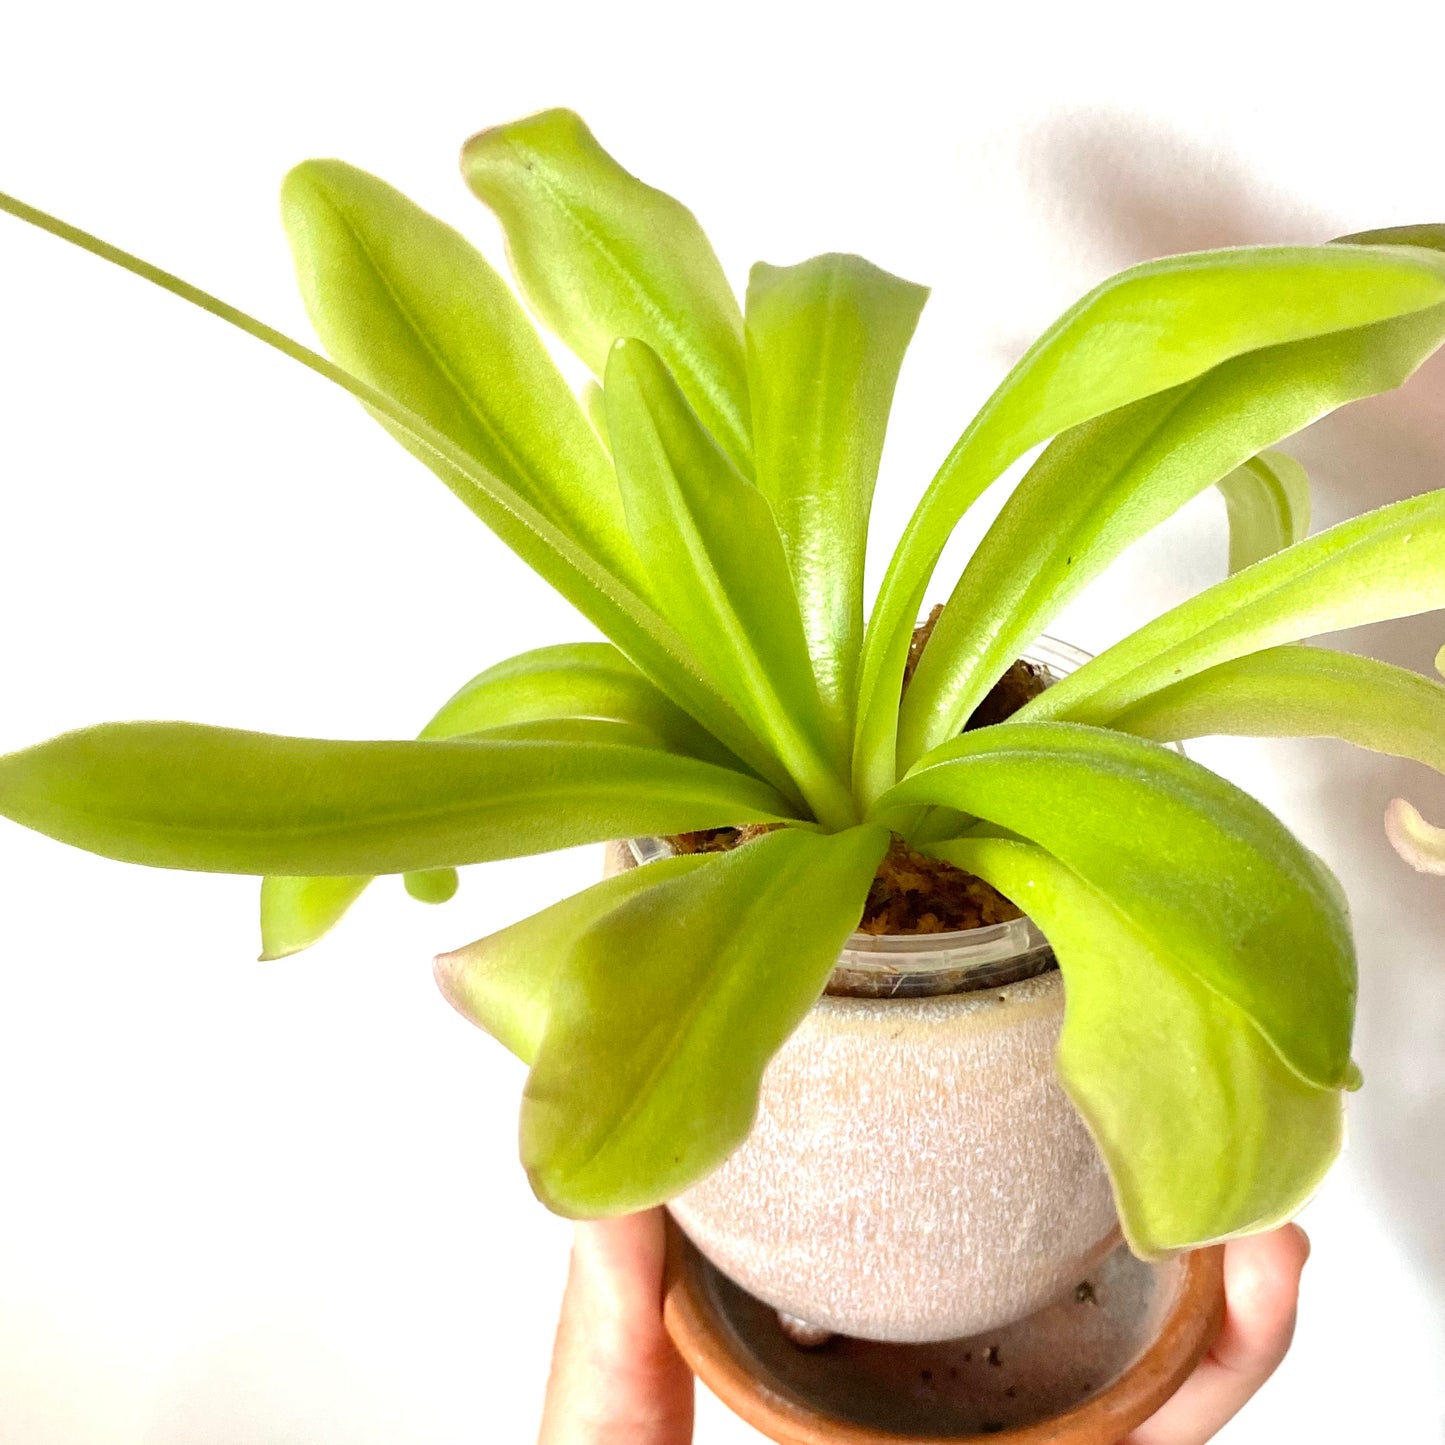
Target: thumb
(616, 1378)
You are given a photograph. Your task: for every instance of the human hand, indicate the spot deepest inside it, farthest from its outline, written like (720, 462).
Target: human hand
(1261, 1293)
(617, 1378)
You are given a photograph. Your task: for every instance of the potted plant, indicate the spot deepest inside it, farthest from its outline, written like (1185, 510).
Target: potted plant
(705, 505)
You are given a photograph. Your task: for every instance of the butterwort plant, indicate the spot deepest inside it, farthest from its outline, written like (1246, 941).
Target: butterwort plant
(705, 503)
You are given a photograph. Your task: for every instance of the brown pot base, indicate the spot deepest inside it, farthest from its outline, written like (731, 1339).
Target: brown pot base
(1083, 1371)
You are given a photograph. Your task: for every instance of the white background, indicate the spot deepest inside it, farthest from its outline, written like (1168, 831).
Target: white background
(279, 1203)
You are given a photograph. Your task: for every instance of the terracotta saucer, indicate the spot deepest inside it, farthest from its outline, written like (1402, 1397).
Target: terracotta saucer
(1083, 1371)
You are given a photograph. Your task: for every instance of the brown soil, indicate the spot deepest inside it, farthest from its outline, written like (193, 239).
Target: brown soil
(1020, 684)
(921, 634)
(718, 840)
(911, 892)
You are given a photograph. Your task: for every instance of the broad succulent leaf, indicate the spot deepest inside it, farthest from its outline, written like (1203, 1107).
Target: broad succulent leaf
(617, 610)
(1182, 853)
(573, 730)
(406, 303)
(1430, 235)
(579, 682)
(1387, 563)
(432, 885)
(595, 405)
(1206, 1130)
(1313, 692)
(502, 982)
(664, 1013)
(1300, 692)
(179, 795)
(1103, 485)
(298, 911)
(825, 341)
(1268, 503)
(601, 256)
(573, 680)
(1141, 332)
(711, 548)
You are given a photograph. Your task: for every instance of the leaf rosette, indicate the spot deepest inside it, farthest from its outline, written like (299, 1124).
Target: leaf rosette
(705, 505)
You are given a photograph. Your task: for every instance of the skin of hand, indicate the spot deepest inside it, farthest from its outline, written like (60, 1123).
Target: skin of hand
(617, 1380)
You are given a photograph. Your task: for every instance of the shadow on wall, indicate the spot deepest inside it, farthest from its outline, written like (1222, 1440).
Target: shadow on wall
(1122, 191)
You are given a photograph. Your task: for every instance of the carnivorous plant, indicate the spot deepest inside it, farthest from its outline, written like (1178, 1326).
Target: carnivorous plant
(705, 504)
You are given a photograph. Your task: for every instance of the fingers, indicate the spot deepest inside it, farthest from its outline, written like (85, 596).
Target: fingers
(1261, 1286)
(617, 1380)
(615, 1375)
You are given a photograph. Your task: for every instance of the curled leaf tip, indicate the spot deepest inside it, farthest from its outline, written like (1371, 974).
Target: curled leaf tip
(1420, 844)
(1440, 662)
(556, 119)
(446, 970)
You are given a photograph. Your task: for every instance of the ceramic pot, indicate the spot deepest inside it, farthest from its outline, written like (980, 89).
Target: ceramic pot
(915, 1171)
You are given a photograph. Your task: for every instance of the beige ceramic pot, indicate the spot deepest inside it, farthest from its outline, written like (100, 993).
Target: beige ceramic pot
(915, 1171)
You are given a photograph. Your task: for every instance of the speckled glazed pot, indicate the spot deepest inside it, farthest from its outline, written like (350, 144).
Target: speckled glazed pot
(915, 1171)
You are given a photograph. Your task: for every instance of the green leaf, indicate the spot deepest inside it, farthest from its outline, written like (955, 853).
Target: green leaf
(595, 405)
(502, 982)
(296, 912)
(1207, 1134)
(1420, 844)
(535, 695)
(1313, 692)
(574, 680)
(1300, 692)
(825, 341)
(1387, 563)
(432, 885)
(617, 610)
(665, 1012)
(711, 548)
(408, 305)
(179, 795)
(1141, 332)
(1185, 855)
(306, 908)
(1103, 485)
(601, 256)
(1430, 234)
(571, 730)
(1268, 503)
